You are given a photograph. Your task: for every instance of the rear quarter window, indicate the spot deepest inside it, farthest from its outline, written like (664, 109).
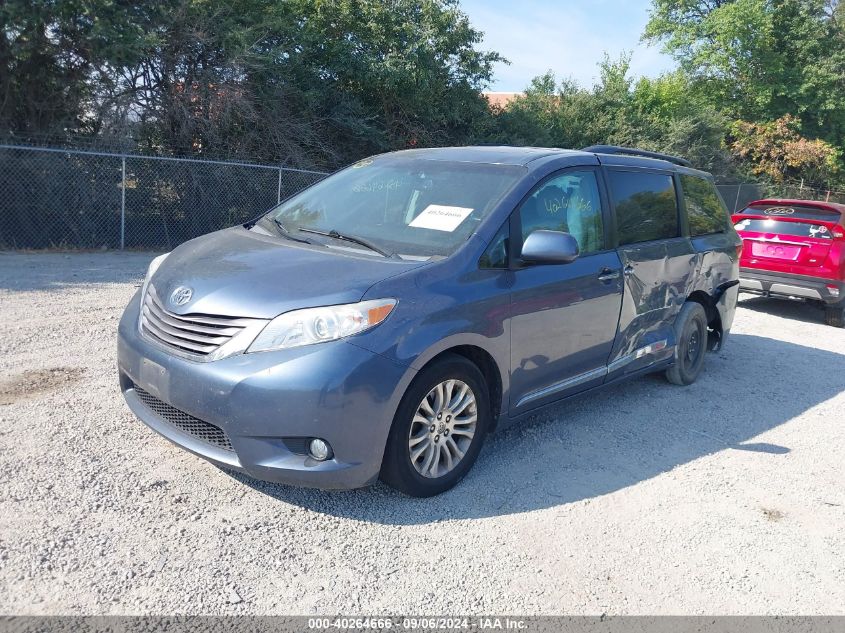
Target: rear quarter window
(646, 206)
(705, 210)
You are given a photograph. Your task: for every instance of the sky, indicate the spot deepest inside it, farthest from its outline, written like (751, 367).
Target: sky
(568, 37)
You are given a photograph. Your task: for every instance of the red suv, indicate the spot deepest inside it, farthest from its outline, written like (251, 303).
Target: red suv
(794, 249)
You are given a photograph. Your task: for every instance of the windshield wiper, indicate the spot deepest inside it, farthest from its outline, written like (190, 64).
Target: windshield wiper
(286, 232)
(351, 238)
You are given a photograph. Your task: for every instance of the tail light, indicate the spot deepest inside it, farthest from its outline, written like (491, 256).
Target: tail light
(739, 249)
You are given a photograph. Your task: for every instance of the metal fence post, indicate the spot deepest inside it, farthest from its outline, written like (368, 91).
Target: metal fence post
(123, 203)
(279, 190)
(736, 202)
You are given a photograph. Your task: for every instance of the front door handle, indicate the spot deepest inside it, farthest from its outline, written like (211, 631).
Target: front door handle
(628, 270)
(608, 274)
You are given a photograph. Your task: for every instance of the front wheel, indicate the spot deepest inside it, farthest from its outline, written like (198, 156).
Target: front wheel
(438, 429)
(691, 340)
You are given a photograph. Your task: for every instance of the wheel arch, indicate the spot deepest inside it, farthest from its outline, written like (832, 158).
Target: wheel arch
(715, 331)
(488, 367)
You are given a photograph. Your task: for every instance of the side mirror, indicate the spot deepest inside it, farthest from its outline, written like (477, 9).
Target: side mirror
(549, 247)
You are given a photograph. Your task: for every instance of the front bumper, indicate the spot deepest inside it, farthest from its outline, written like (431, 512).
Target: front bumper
(788, 285)
(267, 404)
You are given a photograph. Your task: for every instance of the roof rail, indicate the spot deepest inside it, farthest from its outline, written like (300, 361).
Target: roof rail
(631, 151)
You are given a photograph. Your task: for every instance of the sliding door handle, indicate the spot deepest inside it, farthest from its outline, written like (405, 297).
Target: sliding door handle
(608, 274)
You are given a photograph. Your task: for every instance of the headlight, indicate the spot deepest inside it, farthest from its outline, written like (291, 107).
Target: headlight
(151, 271)
(317, 325)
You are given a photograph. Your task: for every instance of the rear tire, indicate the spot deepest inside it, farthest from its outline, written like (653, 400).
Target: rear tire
(834, 315)
(691, 344)
(438, 429)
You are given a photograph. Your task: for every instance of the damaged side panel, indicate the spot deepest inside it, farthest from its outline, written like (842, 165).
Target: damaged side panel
(659, 276)
(720, 278)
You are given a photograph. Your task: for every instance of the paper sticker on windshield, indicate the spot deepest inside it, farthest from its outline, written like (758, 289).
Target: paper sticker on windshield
(440, 217)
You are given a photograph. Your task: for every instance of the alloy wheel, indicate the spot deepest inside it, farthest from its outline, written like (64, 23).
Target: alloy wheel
(442, 429)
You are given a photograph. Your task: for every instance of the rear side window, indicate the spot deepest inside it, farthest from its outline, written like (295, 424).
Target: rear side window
(646, 206)
(704, 207)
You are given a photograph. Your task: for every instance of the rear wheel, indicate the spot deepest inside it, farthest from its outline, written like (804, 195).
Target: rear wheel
(691, 338)
(438, 429)
(835, 314)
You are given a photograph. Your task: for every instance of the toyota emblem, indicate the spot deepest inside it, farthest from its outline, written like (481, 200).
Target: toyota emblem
(181, 296)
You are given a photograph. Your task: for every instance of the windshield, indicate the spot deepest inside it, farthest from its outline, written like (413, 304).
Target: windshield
(409, 206)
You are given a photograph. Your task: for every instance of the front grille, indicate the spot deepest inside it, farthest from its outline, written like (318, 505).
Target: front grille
(188, 424)
(199, 334)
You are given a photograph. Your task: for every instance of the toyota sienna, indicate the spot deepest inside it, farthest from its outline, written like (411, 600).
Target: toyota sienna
(381, 322)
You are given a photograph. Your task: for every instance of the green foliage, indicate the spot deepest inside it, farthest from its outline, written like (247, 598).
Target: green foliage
(658, 114)
(754, 60)
(777, 150)
(761, 59)
(44, 64)
(315, 82)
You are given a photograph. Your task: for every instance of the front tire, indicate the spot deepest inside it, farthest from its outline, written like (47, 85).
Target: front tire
(438, 429)
(691, 340)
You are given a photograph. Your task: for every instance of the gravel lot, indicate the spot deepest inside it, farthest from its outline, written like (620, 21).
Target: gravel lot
(725, 497)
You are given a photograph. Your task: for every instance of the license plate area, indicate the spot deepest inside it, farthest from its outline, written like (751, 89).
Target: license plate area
(775, 250)
(155, 379)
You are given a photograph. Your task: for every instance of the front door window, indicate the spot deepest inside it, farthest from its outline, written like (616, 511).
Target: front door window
(569, 202)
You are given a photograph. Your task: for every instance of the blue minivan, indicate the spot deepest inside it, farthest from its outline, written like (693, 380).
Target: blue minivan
(381, 322)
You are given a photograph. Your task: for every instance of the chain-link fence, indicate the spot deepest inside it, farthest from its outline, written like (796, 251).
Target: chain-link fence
(53, 198)
(737, 196)
(66, 198)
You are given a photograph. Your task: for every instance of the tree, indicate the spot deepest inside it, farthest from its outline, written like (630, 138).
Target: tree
(310, 82)
(777, 151)
(657, 114)
(671, 117)
(761, 59)
(44, 65)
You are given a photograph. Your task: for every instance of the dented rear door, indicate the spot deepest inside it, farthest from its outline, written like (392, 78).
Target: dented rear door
(658, 264)
(657, 281)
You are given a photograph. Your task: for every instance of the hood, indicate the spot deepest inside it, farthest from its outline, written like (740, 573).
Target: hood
(241, 273)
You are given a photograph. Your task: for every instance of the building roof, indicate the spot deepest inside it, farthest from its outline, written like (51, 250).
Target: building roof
(501, 99)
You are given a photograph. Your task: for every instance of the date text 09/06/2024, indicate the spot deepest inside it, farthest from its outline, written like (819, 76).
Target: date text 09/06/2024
(418, 623)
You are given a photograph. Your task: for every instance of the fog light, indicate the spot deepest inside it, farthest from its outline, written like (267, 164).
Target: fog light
(319, 449)
(833, 290)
